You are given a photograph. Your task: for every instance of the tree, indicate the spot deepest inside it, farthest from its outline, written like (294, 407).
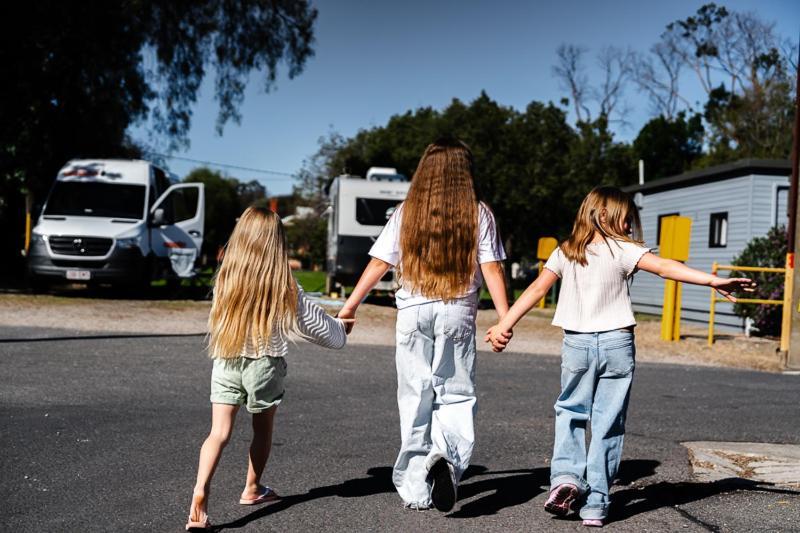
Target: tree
(79, 74)
(223, 207)
(669, 146)
(318, 170)
(251, 193)
(307, 238)
(746, 71)
(616, 66)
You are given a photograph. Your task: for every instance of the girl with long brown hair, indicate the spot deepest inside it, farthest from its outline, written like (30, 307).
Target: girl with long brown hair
(596, 264)
(257, 305)
(444, 243)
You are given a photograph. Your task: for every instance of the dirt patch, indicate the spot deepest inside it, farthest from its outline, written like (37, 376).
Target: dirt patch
(375, 325)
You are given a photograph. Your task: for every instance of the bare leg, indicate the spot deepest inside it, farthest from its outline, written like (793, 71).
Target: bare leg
(222, 417)
(259, 451)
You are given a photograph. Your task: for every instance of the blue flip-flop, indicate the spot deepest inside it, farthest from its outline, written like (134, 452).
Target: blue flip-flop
(268, 495)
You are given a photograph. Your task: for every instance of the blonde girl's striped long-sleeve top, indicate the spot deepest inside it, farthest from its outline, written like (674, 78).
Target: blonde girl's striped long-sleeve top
(313, 325)
(596, 296)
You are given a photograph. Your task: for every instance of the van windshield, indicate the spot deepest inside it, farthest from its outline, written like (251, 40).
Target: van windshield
(96, 199)
(373, 211)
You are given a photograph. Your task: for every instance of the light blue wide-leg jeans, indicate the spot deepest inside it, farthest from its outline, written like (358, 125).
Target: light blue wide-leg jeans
(596, 374)
(435, 361)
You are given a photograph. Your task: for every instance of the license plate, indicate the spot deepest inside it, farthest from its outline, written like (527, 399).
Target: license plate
(82, 275)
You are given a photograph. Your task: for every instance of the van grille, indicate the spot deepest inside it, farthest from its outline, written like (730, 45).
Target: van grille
(80, 246)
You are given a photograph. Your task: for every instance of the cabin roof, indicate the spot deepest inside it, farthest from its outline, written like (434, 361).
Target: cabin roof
(736, 169)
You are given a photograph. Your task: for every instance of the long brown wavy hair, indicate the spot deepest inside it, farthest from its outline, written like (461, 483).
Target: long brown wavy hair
(439, 226)
(620, 211)
(255, 293)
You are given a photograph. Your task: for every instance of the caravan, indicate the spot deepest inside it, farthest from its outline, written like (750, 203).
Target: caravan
(119, 222)
(359, 208)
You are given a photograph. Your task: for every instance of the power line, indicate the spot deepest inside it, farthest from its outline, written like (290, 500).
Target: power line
(226, 165)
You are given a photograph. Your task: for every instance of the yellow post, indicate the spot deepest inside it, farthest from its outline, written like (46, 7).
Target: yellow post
(674, 244)
(712, 309)
(786, 318)
(544, 248)
(676, 322)
(668, 315)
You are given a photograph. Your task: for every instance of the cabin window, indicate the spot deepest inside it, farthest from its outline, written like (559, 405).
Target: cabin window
(374, 211)
(718, 230)
(658, 227)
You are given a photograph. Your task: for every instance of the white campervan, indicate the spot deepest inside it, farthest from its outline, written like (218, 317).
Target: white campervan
(359, 209)
(114, 221)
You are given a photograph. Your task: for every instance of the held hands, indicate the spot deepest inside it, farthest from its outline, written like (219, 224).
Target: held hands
(348, 318)
(725, 286)
(498, 338)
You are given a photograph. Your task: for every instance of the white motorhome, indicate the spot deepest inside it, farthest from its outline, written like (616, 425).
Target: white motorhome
(359, 208)
(122, 222)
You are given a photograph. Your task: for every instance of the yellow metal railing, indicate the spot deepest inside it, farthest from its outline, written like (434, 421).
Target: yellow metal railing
(734, 268)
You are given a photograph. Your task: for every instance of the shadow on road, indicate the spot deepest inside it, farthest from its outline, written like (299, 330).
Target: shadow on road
(633, 501)
(496, 490)
(379, 480)
(508, 488)
(504, 488)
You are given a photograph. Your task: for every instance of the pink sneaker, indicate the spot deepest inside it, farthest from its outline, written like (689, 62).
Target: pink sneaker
(561, 499)
(593, 522)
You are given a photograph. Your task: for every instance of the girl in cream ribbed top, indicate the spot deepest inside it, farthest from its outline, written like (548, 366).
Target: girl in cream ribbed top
(595, 265)
(598, 295)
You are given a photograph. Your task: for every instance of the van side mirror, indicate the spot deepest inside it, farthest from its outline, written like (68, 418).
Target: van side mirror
(158, 218)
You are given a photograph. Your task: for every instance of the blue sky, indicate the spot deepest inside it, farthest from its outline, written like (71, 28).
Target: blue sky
(374, 59)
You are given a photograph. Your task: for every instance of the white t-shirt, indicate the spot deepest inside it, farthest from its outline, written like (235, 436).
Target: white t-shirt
(490, 248)
(596, 297)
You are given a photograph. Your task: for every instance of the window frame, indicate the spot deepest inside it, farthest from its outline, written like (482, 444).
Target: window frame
(714, 220)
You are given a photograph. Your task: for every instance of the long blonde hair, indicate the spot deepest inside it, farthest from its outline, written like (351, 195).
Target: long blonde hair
(439, 227)
(254, 291)
(617, 208)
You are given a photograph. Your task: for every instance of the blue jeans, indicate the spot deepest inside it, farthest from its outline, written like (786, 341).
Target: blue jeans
(435, 392)
(596, 374)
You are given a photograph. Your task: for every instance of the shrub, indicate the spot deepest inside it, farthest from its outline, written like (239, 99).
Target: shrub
(767, 251)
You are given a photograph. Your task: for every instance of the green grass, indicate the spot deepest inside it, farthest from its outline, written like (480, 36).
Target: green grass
(311, 281)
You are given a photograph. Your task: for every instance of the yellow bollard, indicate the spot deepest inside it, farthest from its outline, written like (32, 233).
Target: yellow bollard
(676, 322)
(786, 318)
(668, 315)
(674, 244)
(544, 248)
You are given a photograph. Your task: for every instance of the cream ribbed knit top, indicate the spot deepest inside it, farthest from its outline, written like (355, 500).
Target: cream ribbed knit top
(596, 297)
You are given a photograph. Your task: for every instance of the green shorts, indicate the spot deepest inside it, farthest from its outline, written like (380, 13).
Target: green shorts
(255, 383)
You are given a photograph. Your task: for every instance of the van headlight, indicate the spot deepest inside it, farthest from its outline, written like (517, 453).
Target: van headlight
(38, 238)
(131, 242)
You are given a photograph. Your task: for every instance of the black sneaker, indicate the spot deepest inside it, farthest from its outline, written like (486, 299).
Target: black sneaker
(443, 480)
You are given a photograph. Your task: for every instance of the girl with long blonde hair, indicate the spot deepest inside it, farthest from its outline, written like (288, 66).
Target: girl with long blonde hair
(596, 264)
(257, 306)
(444, 244)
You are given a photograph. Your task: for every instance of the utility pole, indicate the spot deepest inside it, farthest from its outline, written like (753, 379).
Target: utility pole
(793, 285)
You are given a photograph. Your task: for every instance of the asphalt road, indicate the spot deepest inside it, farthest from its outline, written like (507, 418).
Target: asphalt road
(102, 434)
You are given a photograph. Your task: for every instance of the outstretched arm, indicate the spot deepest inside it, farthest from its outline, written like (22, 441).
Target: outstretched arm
(499, 334)
(372, 274)
(669, 269)
(317, 326)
